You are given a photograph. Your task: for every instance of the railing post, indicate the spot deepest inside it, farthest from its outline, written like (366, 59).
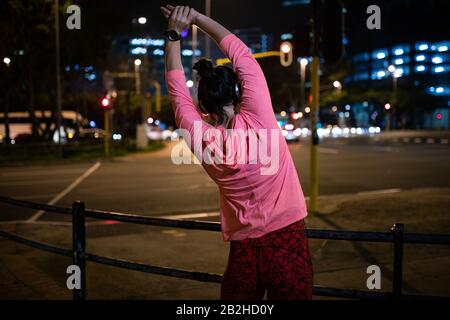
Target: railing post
(398, 231)
(79, 246)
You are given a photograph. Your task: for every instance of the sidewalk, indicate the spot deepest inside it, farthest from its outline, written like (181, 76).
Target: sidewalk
(27, 273)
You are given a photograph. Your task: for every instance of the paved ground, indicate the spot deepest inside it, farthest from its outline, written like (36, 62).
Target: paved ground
(360, 178)
(32, 274)
(148, 183)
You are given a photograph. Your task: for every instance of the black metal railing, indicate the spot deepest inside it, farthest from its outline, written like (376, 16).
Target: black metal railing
(79, 213)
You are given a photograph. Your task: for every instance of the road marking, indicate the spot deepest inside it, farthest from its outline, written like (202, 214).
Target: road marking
(383, 149)
(430, 140)
(328, 150)
(444, 141)
(374, 192)
(63, 193)
(192, 215)
(417, 140)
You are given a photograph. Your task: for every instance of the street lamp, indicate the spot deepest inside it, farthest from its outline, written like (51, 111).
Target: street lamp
(7, 61)
(137, 62)
(395, 74)
(303, 64)
(142, 20)
(337, 84)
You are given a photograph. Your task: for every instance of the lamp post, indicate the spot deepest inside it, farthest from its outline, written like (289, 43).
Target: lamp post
(207, 39)
(58, 72)
(395, 75)
(303, 64)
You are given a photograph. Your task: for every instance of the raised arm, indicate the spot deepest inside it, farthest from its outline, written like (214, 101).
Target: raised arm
(183, 106)
(255, 93)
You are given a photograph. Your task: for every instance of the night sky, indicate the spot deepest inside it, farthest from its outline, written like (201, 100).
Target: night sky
(401, 19)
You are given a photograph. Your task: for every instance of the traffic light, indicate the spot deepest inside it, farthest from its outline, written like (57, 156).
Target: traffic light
(286, 54)
(105, 103)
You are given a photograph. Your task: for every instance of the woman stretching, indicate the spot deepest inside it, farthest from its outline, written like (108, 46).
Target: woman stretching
(261, 210)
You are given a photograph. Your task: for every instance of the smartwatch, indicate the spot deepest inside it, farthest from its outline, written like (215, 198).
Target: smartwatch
(173, 35)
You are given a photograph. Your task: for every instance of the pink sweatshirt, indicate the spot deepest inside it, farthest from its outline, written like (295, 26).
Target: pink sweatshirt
(252, 203)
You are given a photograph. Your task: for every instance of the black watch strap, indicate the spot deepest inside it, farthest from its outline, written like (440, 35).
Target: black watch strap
(173, 35)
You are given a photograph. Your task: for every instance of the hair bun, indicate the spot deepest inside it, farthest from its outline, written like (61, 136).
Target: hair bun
(204, 67)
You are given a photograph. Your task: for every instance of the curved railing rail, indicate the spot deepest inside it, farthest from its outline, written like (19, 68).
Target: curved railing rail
(78, 212)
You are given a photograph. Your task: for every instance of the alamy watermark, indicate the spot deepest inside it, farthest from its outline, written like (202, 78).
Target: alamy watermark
(374, 280)
(374, 20)
(74, 280)
(73, 21)
(230, 147)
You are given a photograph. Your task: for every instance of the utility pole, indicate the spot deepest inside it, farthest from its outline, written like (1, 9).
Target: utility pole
(207, 39)
(303, 64)
(58, 73)
(314, 117)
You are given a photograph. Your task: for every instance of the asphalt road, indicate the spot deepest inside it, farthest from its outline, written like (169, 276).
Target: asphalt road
(150, 184)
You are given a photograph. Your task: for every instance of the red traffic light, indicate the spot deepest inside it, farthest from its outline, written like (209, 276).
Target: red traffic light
(105, 103)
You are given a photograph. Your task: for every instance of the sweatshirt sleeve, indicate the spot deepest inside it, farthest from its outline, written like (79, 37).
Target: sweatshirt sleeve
(255, 92)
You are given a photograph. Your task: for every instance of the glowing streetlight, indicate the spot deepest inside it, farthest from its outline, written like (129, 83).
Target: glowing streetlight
(7, 61)
(189, 83)
(337, 84)
(304, 62)
(142, 20)
(391, 68)
(137, 62)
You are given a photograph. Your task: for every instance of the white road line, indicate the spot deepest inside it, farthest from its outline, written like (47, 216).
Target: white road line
(417, 140)
(444, 141)
(192, 215)
(328, 150)
(430, 140)
(63, 193)
(374, 192)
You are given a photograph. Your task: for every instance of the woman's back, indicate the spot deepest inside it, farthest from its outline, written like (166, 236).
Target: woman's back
(259, 187)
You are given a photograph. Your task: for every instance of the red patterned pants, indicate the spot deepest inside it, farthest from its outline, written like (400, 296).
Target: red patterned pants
(278, 262)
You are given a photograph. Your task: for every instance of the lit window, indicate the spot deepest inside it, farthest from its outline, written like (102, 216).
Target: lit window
(420, 68)
(399, 61)
(437, 59)
(439, 69)
(398, 72)
(420, 58)
(380, 54)
(443, 48)
(422, 46)
(399, 52)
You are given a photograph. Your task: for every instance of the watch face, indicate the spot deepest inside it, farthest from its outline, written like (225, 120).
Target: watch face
(173, 35)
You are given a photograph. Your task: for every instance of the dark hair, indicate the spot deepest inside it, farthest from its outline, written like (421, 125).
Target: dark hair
(218, 86)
